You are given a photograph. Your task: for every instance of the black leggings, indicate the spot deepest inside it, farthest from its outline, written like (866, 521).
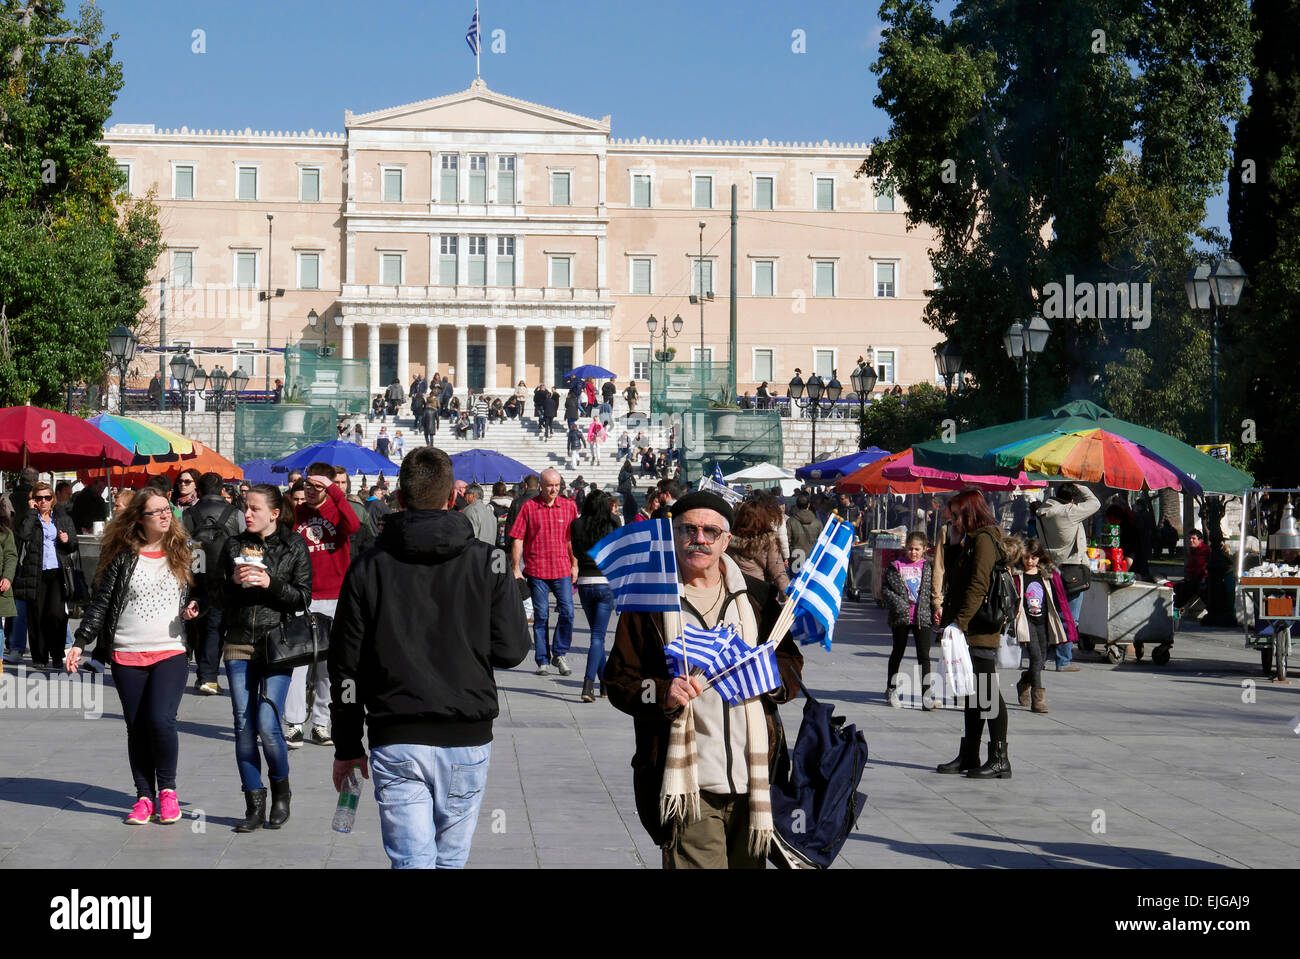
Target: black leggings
(986, 686)
(47, 619)
(150, 697)
(923, 637)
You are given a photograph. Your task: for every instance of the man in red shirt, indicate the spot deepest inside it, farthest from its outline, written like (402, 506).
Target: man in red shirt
(326, 521)
(543, 556)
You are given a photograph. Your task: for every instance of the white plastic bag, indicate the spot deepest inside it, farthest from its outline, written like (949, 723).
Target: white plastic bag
(1009, 652)
(958, 673)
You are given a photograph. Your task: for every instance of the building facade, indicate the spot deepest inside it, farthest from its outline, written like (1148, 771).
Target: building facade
(501, 241)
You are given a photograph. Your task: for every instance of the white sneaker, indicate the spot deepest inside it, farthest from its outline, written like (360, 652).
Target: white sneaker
(293, 736)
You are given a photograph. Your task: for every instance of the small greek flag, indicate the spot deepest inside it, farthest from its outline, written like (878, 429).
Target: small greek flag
(472, 36)
(747, 673)
(639, 562)
(817, 590)
(717, 474)
(700, 649)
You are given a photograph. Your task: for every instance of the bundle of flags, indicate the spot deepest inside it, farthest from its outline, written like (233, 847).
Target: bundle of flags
(728, 664)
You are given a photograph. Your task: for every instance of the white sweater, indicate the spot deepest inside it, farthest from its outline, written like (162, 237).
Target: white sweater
(151, 620)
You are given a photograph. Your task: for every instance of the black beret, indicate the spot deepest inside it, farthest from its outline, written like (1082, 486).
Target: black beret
(703, 499)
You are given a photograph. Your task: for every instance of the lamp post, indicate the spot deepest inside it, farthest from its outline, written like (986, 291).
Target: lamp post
(948, 359)
(323, 323)
(121, 346)
(183, 369)
(652, 324)
(864, 381)
(217, 385)
(1021, 341)
(268, 294)
(700, 298)
(818, 392)
(1215, 285)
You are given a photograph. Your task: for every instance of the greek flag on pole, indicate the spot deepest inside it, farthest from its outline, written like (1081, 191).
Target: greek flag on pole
(717, 473)
(704, 649)
(639, 562)
(817, 590)
(747, 673)
(472, 36)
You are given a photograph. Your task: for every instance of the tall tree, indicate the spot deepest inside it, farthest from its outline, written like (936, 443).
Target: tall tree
(74, 252)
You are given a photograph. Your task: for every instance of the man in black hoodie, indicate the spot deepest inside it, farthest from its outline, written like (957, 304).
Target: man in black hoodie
(421, 622)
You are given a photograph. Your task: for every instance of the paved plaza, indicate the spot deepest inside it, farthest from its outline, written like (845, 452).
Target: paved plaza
(1136, 766)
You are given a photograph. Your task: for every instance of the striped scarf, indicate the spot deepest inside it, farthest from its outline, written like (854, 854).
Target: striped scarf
(679, 794)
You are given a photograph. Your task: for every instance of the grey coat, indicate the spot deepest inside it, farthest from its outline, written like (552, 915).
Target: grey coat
(897, 601)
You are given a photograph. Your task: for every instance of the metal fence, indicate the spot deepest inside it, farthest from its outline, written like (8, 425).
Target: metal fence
(327, 380)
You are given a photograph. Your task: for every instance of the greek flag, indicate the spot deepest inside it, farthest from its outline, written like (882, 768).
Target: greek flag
(472, 36)
(701, 649)
(817, 590)
(747, 673)
(639, 562)
(717, 474)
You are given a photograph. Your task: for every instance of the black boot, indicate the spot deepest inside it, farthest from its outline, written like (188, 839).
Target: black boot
(255, 800)
(280, 796)
(588, 690)
(998, 766)
(968, 758)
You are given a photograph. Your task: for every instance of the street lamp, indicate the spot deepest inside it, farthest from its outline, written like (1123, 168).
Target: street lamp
(864, 381)
(323, 322)
(652, 324)
(1021, 341)
(948, 358)
(267, 295)
(217, 385)
(183, 370)
(821, 399)
(700, 298)
(1213, 286)
(121, 346)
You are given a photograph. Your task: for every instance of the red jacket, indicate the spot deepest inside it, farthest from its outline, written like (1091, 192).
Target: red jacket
(326, 529)
(1195, 563)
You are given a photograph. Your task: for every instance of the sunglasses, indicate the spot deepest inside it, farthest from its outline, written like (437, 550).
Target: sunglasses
(42, 499)
(688, 532)
(187, 482)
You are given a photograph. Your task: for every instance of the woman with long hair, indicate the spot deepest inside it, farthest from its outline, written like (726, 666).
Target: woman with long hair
(136, 620)
(754, 545)
(266, 573)
(185, 491)
(47, 541)
(594, 524)
(974, 546)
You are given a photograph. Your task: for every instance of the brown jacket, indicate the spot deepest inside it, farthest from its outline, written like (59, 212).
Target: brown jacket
(637, 681)
(759, 557)
(969, 571)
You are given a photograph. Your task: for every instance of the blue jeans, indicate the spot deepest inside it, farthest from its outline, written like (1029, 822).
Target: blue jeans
(256, 718)
(563, 590)
(598, 603)
(1064, 652)
(428, 798)
(16, 634)
(480, 427)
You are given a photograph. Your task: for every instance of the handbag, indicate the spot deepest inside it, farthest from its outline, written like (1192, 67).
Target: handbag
(1008, 652)
(1076, 577)
(300, 640)
(73, 582)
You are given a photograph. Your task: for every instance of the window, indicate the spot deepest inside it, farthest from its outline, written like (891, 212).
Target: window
(449, 186)
(702, 192)
(478, 178)
(477, 261)
(763, 193)
(640, 362)
(183, 268)
(885, 366)
(309, 185)
(641, 276)
(699, 355)
(247, 176)
(825, 193)
(641, 190)
(245, 269)
(559, 189)
(824, 278)
(701, 276)
(561, 272)
(309, 271)
(884, 199)
(505, 261)
(764, 278)
(183, 182)
(447, 260)
(392, 185)
(762, 366)
(125, 170)
(390, 269)
(243, 361)
(885, 279)
(824, 363)
(505, 179)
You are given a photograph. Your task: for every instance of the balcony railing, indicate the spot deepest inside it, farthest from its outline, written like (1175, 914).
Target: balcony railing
(487, 294)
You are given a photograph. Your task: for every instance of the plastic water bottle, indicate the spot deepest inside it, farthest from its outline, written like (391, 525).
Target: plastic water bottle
(345, 813)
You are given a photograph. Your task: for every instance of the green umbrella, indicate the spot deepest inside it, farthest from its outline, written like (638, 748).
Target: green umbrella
(968, 453)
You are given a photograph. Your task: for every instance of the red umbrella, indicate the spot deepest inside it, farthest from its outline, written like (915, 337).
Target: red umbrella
(49, 440)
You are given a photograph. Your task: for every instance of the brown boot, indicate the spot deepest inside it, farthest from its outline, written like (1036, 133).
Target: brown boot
(1040, 700)
(1022, 690)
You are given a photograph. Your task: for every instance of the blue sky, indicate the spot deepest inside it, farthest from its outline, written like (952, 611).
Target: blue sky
(671, 69)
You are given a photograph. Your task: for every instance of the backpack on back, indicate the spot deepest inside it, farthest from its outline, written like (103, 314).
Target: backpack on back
(1000, 603)
(501, 512)
(212, 533)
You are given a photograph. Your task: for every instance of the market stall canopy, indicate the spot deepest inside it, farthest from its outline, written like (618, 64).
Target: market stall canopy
(1094, 456)
(203, 459)
(488, 466)
(869, 479)
(905, 469)
(828, 471)
(760, 473)
(142, 437)
(259, 471)
(973, 452)
(341, 455)
(49, 440)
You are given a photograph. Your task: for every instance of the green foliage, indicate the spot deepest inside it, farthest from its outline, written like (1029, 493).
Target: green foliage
(74, 253)
(894, 425)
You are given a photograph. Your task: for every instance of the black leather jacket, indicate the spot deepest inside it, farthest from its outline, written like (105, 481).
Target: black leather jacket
(255, 609)
(99, 621)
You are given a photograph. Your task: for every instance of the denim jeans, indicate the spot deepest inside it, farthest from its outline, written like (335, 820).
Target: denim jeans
(480, 427)
(563, 590)
(598, 603)
(16, 629)
(1064, 652)
(256, 718)
(209, 652)
(428, 798)
(150, 697)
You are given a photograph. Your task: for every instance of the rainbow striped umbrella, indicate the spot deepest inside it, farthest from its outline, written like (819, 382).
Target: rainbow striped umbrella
(142, 437)
(1093, 456)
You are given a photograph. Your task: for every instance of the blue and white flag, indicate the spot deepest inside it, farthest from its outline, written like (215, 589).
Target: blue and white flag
(639, 562)
(699, 649)
(817, 590)
(472, 35)
(717, 474)
(747, 673)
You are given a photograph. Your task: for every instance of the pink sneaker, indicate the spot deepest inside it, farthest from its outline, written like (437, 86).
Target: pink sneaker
(169, 807)
(141, 812)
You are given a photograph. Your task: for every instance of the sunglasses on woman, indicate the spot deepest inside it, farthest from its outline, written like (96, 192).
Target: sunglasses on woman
(42, 499)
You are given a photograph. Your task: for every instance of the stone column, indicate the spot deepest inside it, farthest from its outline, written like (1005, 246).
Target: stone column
(548, 355)
(602, 348)
(577, 347)
(404, 353)
(345, 334)
(521, 333)
(431, 356)
(461, 379)
(373, 356)
(490, 358)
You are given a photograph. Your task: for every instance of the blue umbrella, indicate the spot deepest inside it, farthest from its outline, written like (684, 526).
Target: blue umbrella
(828, 471)
(595, 372)
(259, 471)
(338, 453)
(488, 466)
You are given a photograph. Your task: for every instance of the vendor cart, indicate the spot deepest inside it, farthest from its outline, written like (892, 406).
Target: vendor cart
(885, 547)
(1120, 614)
(1270, 601)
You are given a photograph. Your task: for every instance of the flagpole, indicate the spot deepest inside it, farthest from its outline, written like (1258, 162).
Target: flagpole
(478, 43)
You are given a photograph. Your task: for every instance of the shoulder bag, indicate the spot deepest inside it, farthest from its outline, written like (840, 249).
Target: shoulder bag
(300, 640)
(1077, 577)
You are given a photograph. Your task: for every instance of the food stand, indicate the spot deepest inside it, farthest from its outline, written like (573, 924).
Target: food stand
(883, 546)
(1269, 590)
(1118, 612)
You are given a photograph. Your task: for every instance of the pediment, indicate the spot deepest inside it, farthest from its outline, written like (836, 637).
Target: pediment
(477, 108)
